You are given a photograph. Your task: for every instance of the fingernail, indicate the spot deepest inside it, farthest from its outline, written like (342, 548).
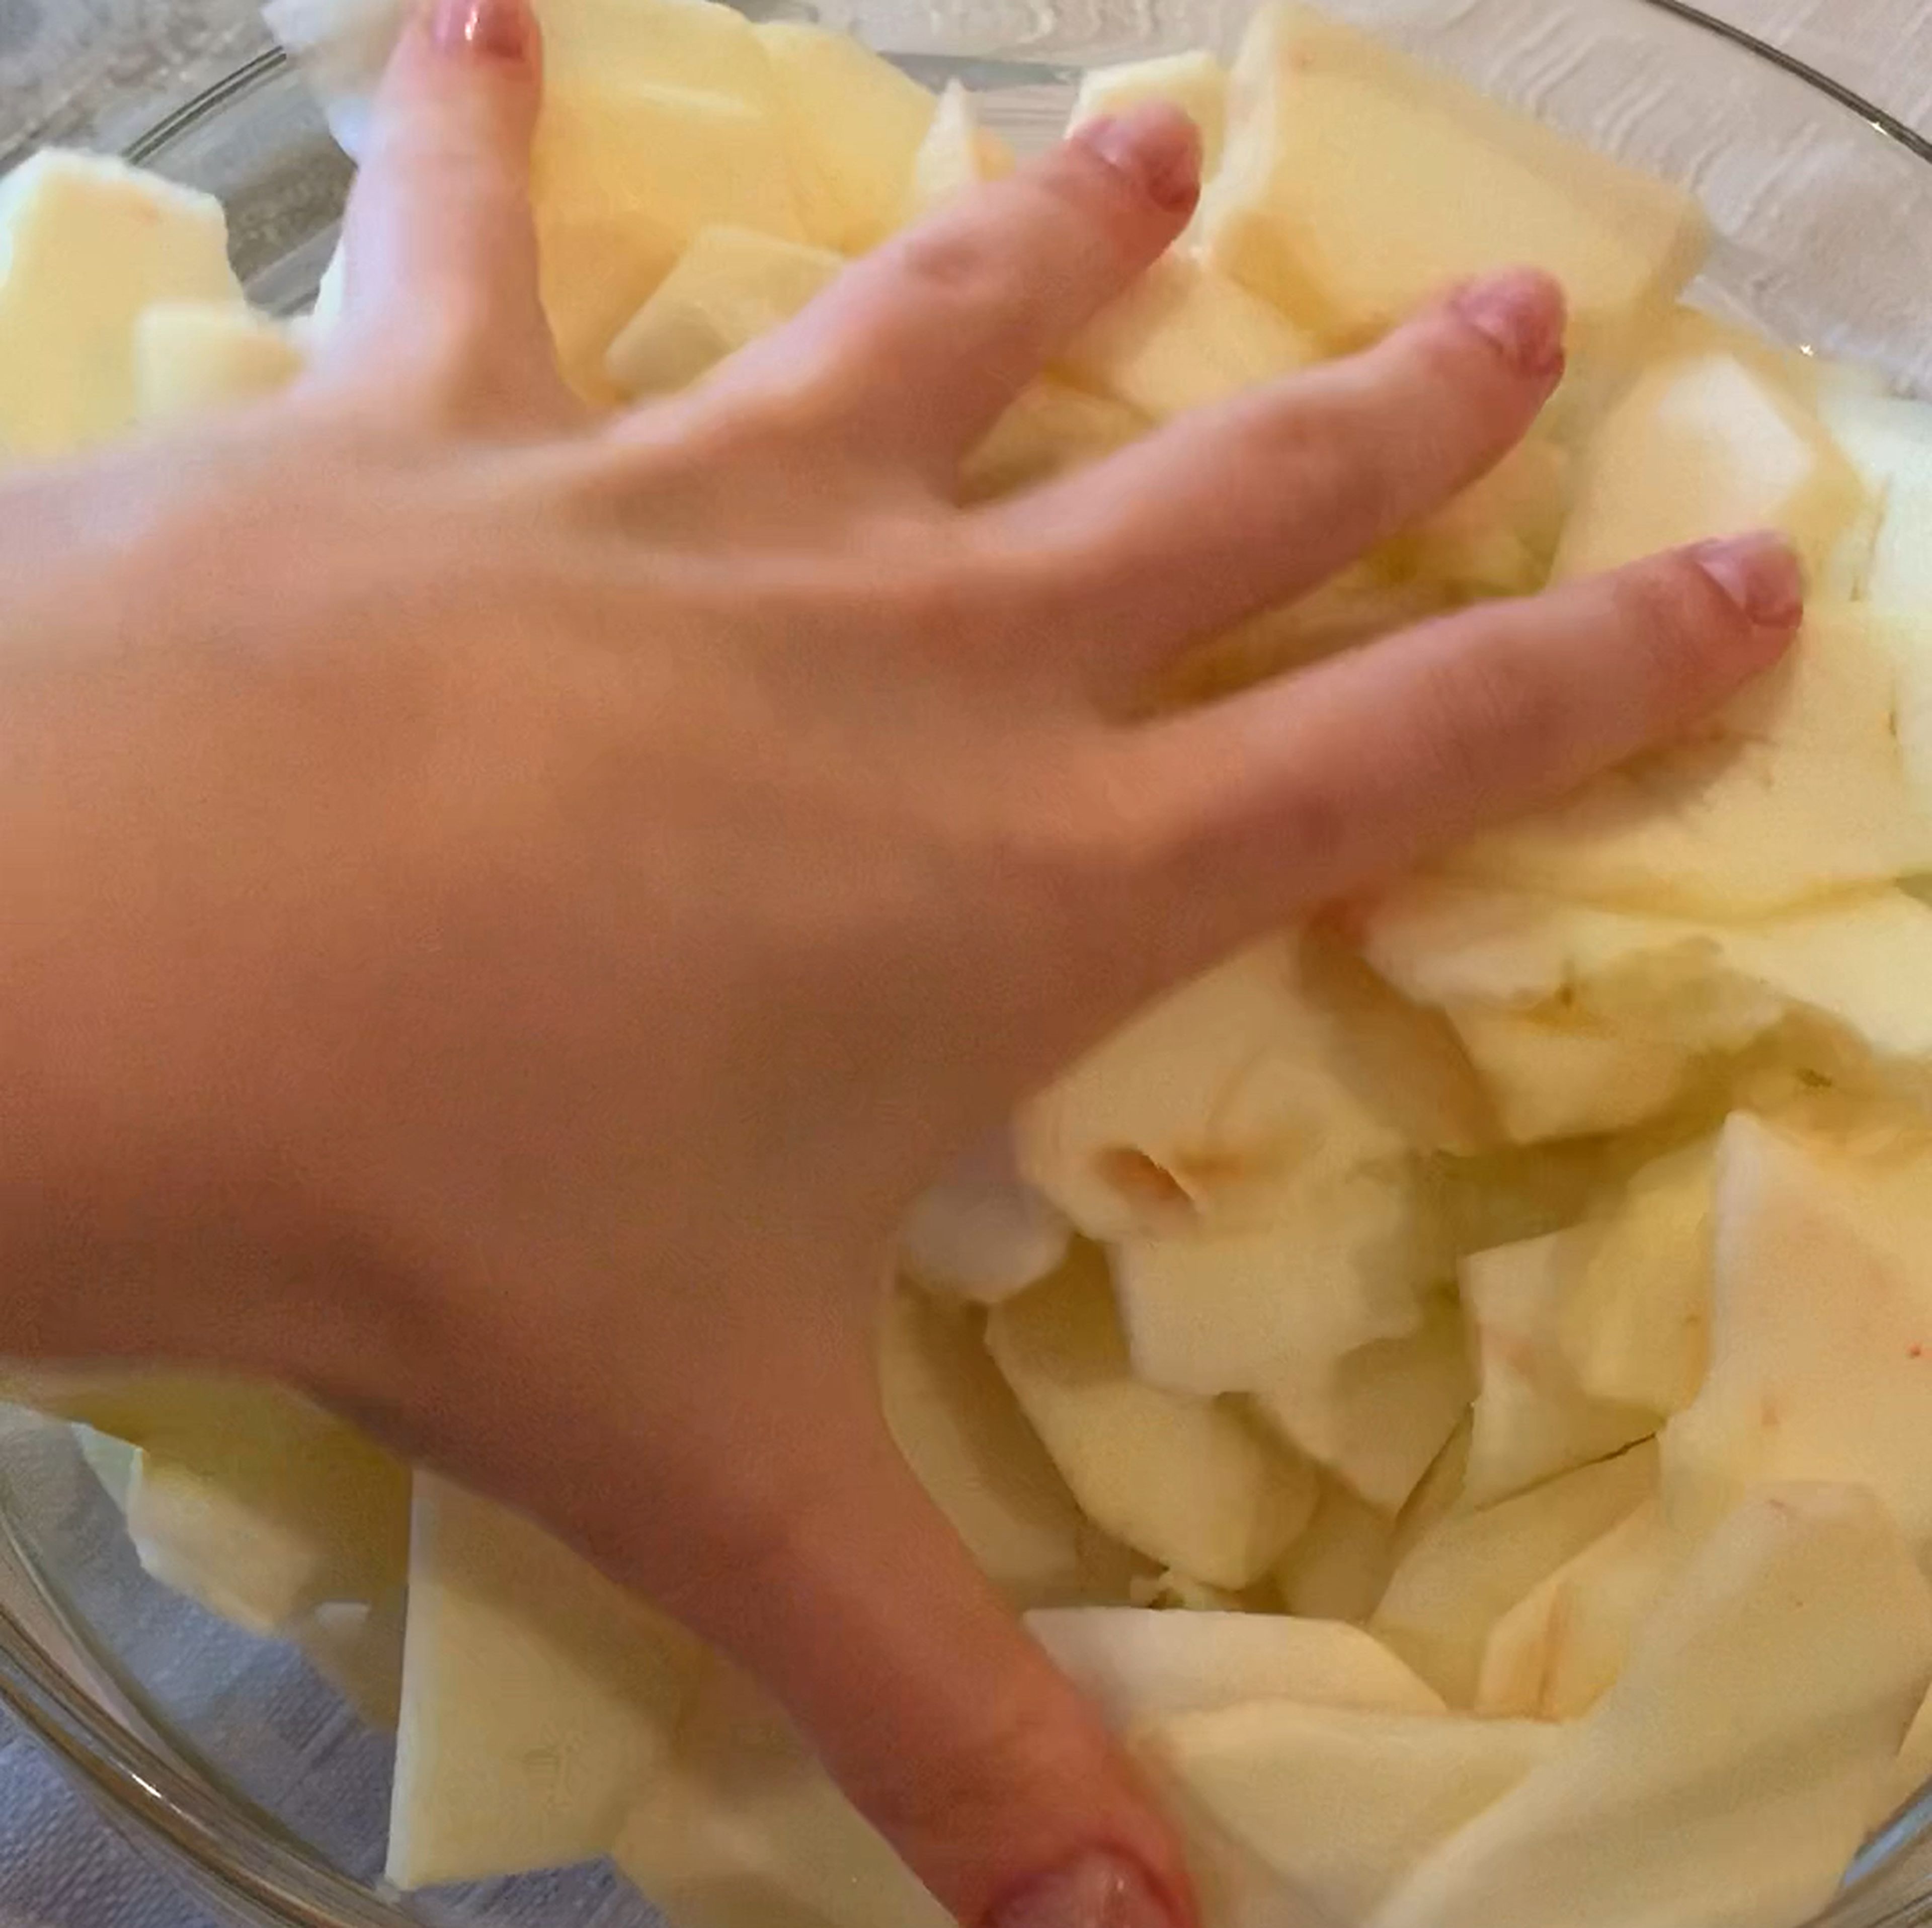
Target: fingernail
(498, 29)
(1760, 573)
(1156, 146)
(1099, 1890)
(1523, 312)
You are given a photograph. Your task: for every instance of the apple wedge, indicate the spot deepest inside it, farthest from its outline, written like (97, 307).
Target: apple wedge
(1357, 184)
(537, 1698)
(957, 154)
(1730, 1774)
(1195, 83)
(192, 357)
(1193, 1484)
(1466, 1572)
(1338, 1567)
(1138, 1665)
(1342, 1804)
(88, 245)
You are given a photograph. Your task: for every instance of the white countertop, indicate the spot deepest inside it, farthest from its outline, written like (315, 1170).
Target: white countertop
(60, 1867)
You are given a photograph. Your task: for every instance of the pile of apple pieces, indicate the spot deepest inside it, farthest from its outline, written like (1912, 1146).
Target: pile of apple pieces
(1451, 1387)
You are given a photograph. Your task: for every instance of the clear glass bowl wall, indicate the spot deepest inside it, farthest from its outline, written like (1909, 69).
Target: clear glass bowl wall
(228, 1758)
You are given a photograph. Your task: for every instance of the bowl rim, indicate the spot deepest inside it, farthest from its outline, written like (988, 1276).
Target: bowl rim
(165, 1805)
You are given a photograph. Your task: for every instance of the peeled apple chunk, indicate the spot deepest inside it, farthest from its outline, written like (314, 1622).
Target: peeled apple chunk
(1337, 1569)
(1730, 1775)
(957, 154)
(730, 286)
(969, 1446)
(1707, 444)
(1533, 1420)
(1466, 1572)
(1889, 441)
(538, 1698)
(1357, 184)
(1340, 1802)
(852, 125)
(1377, 1417)
(87, 244)
(1195, 83)
(1049, 430)
(1797, 789)
(192, 357)
(1183, 337)
(739, 1827)
(1821, 1325)
(1138, 1665)
(1193, 1484)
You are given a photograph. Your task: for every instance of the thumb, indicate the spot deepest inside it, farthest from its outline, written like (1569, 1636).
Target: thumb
(943, 1722)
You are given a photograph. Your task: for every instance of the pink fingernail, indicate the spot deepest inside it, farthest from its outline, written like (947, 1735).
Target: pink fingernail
(1760, 572)
(1156, 146)
(1099, 1890)
(1524, 312)
(497, 29)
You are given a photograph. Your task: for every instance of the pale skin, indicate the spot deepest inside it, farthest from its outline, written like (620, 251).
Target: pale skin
(505, 910)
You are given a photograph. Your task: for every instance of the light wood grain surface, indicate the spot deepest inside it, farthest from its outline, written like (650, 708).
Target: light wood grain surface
(101, 70)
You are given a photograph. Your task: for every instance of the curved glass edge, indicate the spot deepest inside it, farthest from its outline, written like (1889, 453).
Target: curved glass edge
(275, 1886)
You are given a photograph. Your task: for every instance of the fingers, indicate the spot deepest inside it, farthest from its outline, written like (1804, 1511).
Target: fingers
(914, 352)
(439, 250)
(1229, 510)
(1351, 771)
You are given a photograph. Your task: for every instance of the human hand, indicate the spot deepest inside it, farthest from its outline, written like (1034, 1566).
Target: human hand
(505, 909)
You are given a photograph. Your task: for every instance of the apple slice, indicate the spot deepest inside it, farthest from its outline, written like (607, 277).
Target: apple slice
(1466, 1572)
(87, 244)
(1377, 1417)
(1499, 538)
(957, 154)
(1195, 83)
(191, 357)
(1049, 430)
(1533, 1420)
(970, 1446)
(1357, 184)
(1338, 1567)
(537, 1699)
(1798, 791)
(1730, 1774)
(1889, 441)
(1137, 1665)
(1193, 1484)
(730, 286)
(1341, 1803)
(1707, 444)
(1181, 337)
(1821, 1334)
(852, 126)
(740, 1827)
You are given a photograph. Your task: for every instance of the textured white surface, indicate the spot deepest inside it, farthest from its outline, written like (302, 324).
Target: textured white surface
(60, 1867)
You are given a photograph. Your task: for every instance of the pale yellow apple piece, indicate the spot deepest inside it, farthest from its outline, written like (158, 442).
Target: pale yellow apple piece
(1550, 1078)
(971, 1446)
(1050, 430)
(1191, 1483)
(1137, 1665)
(1377, 1417)
(741, 1828)
(957, 154)
(111, 1460)
(1182, 336)
(538, 1698)
(86, 245)
(1207, 1108)
(1636, 1324)
(1466, 1573)
(730, 286)
(1821, 1330)
(852, 126)
(1796, 791)
(1356, 184)
(1730, 1774)
(1533, 1420)
(1499, 538)
(1889, 440)
(358, 1648)
(1195, 83)
(191, 357)
(1340, 1802)
(1440, 1494)
(1338, 1568)
(1554, 1654)
(1706, 445)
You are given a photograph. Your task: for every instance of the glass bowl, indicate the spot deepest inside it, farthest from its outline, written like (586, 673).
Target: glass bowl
(235, 1759)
